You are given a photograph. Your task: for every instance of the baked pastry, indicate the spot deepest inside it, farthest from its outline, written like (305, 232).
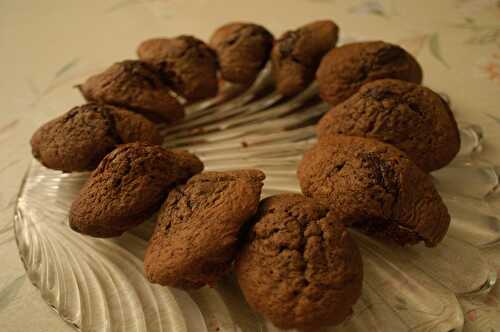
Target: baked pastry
(128, 186)
(199, 226)
(187, 62)
(409, 116)
(374, 187)
(299, 266)
(242, 49)
(346, 68)
(297, 53)
(137, 86)
(79, 139)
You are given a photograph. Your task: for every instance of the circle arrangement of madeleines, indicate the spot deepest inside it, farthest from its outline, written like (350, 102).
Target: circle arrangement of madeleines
(299, 267)
(242, 49)
(80, 138)
(407, 115)
(185, 61)
(198, 228)
(346, 68)
(296, 55)
(376, 188)
(127, 187)
(292, 254)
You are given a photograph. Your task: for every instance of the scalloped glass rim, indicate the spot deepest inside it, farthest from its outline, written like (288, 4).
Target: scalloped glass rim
(98, 284)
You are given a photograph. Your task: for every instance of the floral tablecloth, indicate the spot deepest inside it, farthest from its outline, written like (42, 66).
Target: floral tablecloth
(46, 44)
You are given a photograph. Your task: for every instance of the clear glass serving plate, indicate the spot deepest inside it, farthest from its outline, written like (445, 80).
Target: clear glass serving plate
(99, 284)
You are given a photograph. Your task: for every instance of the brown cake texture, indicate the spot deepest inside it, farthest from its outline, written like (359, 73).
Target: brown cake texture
(199, 226)
(407, 115)
(78, 140)
(296, 55)
(346, 68)
(135, 85)
(375, 187)
(187, 62)
(128, 186)
(242, 49)
(299, 267)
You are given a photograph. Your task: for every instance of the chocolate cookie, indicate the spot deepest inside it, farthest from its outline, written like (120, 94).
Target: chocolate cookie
(186, 61)
(79, 139)
(296, 55)
(198, 228)
(345, 69)
(375, 187)
(242, 50)
(137, 86)
(127, 187)
(409, 116)
(299, 267)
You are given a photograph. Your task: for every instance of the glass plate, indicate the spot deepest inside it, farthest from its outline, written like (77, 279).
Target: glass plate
(99, 284)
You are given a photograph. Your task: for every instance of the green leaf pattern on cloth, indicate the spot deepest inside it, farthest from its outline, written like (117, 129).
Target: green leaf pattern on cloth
(435, 48)
(8, 292)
